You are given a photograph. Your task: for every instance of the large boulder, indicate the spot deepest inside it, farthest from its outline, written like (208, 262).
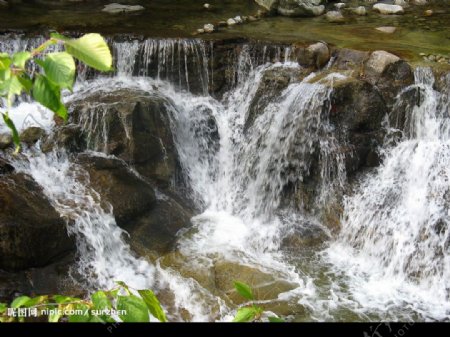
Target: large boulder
(388, 73)
(357, 110)
(129, 195)
(32, 233)
(316, 55)
(134, 126)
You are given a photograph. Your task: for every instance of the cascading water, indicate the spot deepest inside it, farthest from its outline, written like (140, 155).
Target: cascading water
(393, 251)
(394, 246)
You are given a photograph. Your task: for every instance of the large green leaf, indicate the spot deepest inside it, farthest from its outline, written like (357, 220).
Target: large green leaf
(3, 308)
(60, 69)
(20, 58)
(49, 95)
(5, 61)
(9, 123)
(100, 300)
(92, 50)
(244, 290)
(65, 299)
(134, 309)
(246, 314)
(20, 301)
(153, 304)
(82, 316)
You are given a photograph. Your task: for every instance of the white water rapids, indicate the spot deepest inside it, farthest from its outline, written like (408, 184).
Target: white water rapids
(391, 259)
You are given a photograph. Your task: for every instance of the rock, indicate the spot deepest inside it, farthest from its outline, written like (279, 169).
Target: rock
(252, 19)
(129, 195)
(316, 55)
(428, 12)
(69, 137)
(378, 61)
(138, 130)
(3, 4)
(387, 30)
(200, 31)
(51, 279)
(155, 232)
(300, 7)
(5, 166)
(303, 237)
(419, 2)
(231, 22)
(265, 286)
(400, 2)
(388, 9)
(334, 16)
(32, 233)
(31, 135)
(357, 110)
(222, 24)
(270, 5)
(340, 5)
(206, 6)
(208, 28)
(116, 8)
(5, 140)
(273, 82)
(238, 19)
(389, 73)
(361, 10)
(349, 60)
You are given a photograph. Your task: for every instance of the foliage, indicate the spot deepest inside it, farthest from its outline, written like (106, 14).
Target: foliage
(57, 72)
(121, 304)
(252, 313)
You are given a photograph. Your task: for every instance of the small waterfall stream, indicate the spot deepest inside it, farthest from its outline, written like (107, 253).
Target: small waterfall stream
(391, 259)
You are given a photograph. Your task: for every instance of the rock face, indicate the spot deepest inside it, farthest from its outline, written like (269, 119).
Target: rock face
(316, 55)
(32, 233)
(129, 195)
(132, 125)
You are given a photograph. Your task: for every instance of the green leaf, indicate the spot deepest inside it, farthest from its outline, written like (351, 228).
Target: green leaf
(26, 82)
(20, 58)
(244, 290)
(20, 301)
(92, 50)
(153, 304)
(274, 319)
(3, 307)
(100, 300)
(49, 95)
(60, 299)
(5, 61)
(36, 300)
(54, 317)
(15, 135)
(60, 69)
(83, 316)
(134, 309)
(247, 314)
(5, 74)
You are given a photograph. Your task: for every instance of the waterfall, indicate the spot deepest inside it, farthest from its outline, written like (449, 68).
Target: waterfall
(244, 165)
(394, 246)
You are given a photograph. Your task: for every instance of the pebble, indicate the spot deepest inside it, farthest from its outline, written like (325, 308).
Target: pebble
(208, 28)
(361, 10)
(387, 30)
(428, 12)
(207, 6)
(231, 22)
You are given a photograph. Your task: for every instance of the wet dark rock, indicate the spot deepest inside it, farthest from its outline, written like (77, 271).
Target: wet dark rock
(5, 140)
(31, 135)
(304, 236)
(316, 55)
(129, 195)
(389, 73)
(274, 81)
(138, 130)
(69, 137)
(32, 233)
(5, 166)
(51, 279)
(155, 232)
